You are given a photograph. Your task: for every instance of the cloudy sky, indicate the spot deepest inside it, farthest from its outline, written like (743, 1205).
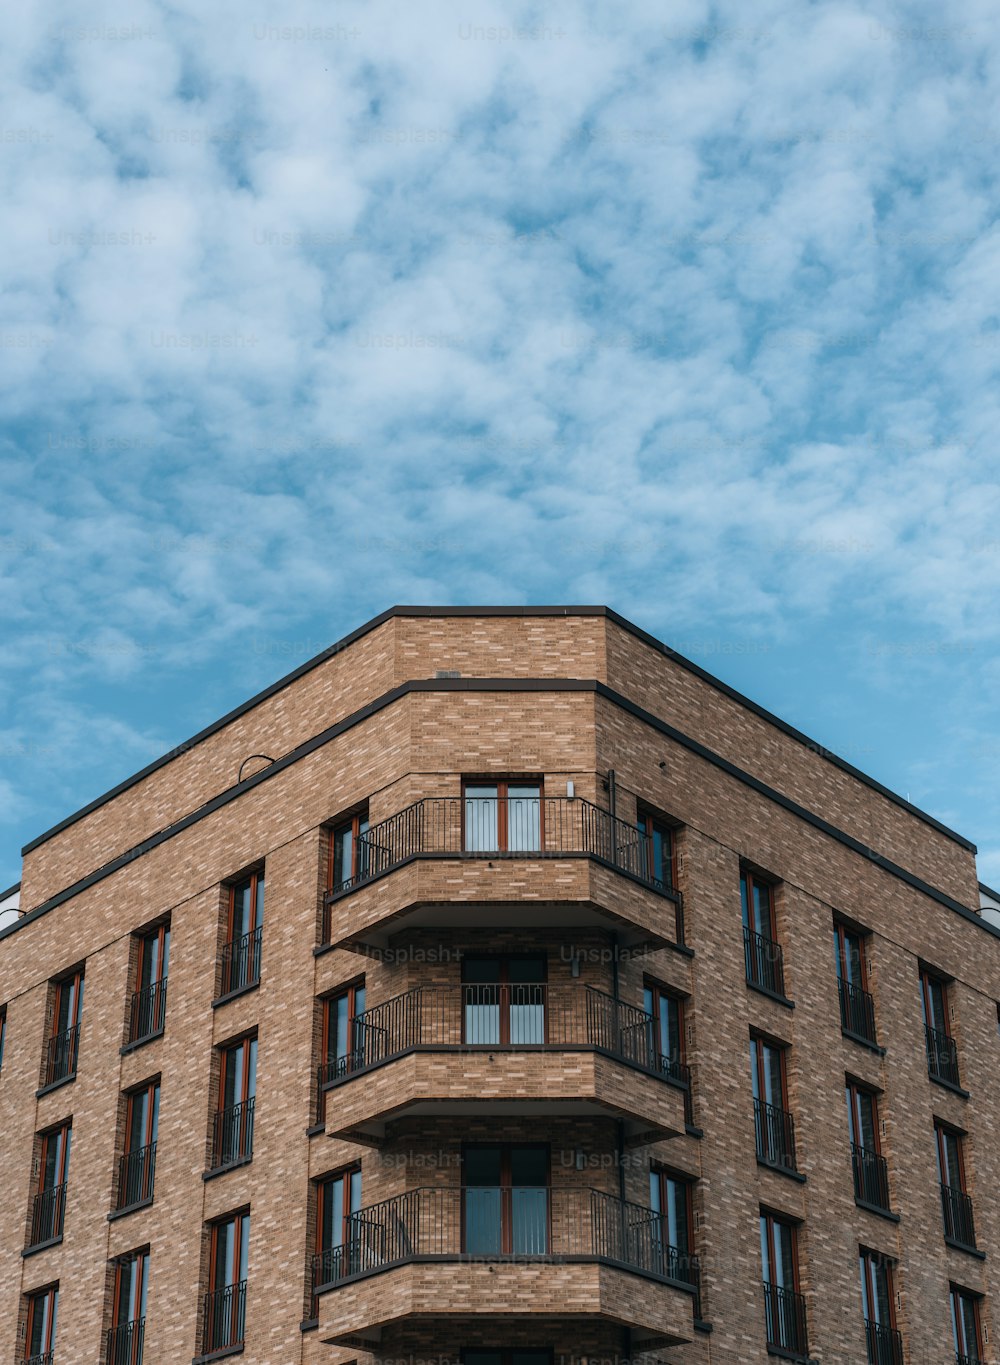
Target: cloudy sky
(691, 309)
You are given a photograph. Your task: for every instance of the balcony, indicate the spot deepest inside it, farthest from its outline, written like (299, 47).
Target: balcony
(871, 1178)
(765, 964)
(455, 866)
(46, 1358)
(125, 1342)
(136, 1170)
(47, 1212)
(884, 1344)
(60, 1060)
(775, 1134)
(147, 1013)
(785, 1318)
(942, 1057)
(224, 1318)
(564, 1252)
(241, 962)
(959, 1226)
(857, 1012)
(232, 1137)
(528, 1049)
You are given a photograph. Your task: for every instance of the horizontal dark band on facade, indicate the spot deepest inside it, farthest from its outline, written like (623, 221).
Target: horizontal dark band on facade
(513, 685)
(499, 612)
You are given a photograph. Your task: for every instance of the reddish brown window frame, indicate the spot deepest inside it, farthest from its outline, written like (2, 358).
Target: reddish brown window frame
(65, 1131)
(754, 880)
(842, 932)
(149, 1089)
(649, 823)
(350, 993)
(659, 991)
(506, 1183)
(854, 1090)
(345, 1174)
(133, 1353)
(869, 1260)
(254, 878)
(353, 822)
(940, 1131)
(238, 1219)
(664, 1173)
(956, 1292)
(503, 784)
(758, 1041)
(50, 1291)
(505, 960)
(770, 1219)
(74, 981)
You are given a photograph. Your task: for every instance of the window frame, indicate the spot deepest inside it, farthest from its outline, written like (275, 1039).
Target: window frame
(74, 982)
(771, 1220)
(246, 1103)
(855, 1089)
(870, 1262)
(928, 980)
(358, 822)
(348, 991)
(956, 1294)
(504, 960)
(760, 1041)
(663, 1175)
(942, 1131)
(506, 1183)
(751, 880)
(47, 1292)
(650, 823)
(255, 878)
(654, 992)
(503, 785)
(122, 1264)
(240, 1220)
(342, 1175)
(842, 932)
(64, 1131)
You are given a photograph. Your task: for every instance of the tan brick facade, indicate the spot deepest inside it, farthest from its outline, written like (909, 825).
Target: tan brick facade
(560, 697)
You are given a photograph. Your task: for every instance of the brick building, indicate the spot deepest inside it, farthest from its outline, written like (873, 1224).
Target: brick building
(499, 987)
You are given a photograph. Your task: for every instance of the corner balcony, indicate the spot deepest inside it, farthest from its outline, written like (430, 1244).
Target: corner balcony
(505, 1256)
(566, 864)
(528, 1049)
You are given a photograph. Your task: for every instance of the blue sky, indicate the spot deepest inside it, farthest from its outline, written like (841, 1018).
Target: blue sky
(689, 311)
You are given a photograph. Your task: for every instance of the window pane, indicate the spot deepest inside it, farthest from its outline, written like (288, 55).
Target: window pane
(529, 1166)
(481, 819)
(523, 818)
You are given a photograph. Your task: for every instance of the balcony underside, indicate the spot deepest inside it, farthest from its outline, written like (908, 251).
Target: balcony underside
(512, 1082)
(503, 1295)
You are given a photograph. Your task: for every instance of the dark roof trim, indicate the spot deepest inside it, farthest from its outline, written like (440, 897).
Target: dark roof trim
(403, 611)
(10, 891)
(500, 685)
(988, 891)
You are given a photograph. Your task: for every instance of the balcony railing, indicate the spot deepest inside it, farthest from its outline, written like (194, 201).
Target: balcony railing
(785, 1318)
(551, 826)
(136, 1170)
(60, 1061)
(493, 1224)
(45, 1359)
(528, 1015)
(885, 1344)
(968, 1360)
(942, 1056)
(47, 1212)
(149, 1007)
(125, 1342)
(232, 1140)
(775, 1133)
(959, 1225)
(871, 1177)
(765, 965)
(241, 961)
(857, 1011)
(224, 1318)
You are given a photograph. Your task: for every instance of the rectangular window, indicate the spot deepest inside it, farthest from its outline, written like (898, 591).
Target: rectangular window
(225, 1302)
(505, 1200)
(137, 1165)
(53, 1175)
(784, 1306)
(503, 817)
(125, 1339)
(762, 952)
(773, 1124)
(658, 845)
(966, 1326)
(959, 1226)
(338, 1239)
(64, 1039)
(40, 1336)
(350, 862)
(871, 1171)
(149, 999)
(884, 1344)
(344, 1033)
(670, 1198)
(857, 1007)
(942, 1054)
(244, 933)
(233, 1135)
(503, 1001)
(666, 1029)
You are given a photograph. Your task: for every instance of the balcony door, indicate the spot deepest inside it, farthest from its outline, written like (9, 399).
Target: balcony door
(502, 817)
(666, 1028)
(338, 1197)
(349, 1044)
(503, 1001)
(125, 1341)
(225, 1307)
(505, 1200)
(757, 899)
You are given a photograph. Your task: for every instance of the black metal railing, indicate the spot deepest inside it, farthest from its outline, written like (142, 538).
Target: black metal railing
(241, 961)
(60, 1061)
(232, 1139)
(136, 1170)
(857, 1011)
(785, 1318)
(476, 1224)
(46, 1358)
(775, 1133)
(47, 1212)
(961, 1359)
(884, 1344)
(765, 965)
(224, 1318)
(959, 1225)
(871, 1177)
(942, 1056)
(149, 1007)
(125, 1342)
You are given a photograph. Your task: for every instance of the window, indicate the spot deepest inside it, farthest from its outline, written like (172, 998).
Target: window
(245, 928)
(857, 1008)
(503, 817)
(149, 999)
(225, 1302)
(670, 1198)
(959, 1227)
(128, 1313)
(349, 852)
(53, 1173)
(40, 1337)
(233, 1136)
(773, 1124)
(883, 1342)
(659, 850)
(137, 1165)
(871, 1172)
(966, 1327)
(344, 1033)
(505, 1200)
(666, 1030)
(64, 1040)
(942, 1054)
(764, 963)
(784, 1306)
(503, 1001)
(337, 1197)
